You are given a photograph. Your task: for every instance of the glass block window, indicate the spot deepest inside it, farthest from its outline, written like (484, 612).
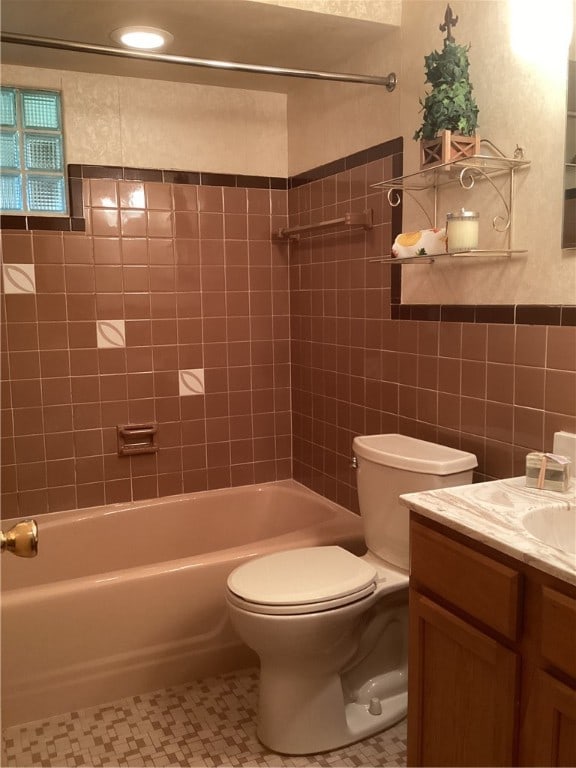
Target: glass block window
(32, 165)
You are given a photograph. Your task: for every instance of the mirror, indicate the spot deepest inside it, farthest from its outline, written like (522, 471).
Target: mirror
(569, 224)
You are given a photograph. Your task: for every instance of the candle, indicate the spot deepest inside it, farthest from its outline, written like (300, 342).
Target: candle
(462, 230)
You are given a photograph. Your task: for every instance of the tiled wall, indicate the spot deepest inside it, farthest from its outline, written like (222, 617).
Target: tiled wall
(173, 307)
(495, 388)
(175, 286)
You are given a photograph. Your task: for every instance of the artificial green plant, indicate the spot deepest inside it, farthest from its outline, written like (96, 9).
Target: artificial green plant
(450, 104)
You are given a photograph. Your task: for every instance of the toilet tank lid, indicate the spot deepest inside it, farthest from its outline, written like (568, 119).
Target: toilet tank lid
(404, 452)
(299, 576)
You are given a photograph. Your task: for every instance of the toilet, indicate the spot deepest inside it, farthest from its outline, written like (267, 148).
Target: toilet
(331, 628)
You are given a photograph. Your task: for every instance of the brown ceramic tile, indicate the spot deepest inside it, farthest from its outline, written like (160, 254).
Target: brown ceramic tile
(60, 472)
(131, 194)
(54, 363)
(81, 307)
(134, 251)
(561, 351)
(85, 389)
(59, 445)
(105, 223)
(24, 365)
(186, 224)
(473, 378)
(78, 249)
(79, 279)
(88, 442)
(90, 494)
(20, 308)
(50, 278)
(235, 200)
(60, 499)
(529, 386)
(499, 459)
(32, 476)
(107, 250)
(21, 336)
(474, 341)
(29, 448)
(133, 223)
(57, 418)
(530, 345)
(83, 362)
(560, 394)
(450, 339)
(48, 249)
(449, 373)
(473, 415)
(499, 422)
(185, 197)
(501, 343)
(26, 393)
(112, 361)
(104, 193)
(81, 335)
(108, 279)
(136, 279)
(56, 391)
(16, 247)
(529, 428)
(51, 306)
(500, 382)
(137, 306)
(158, 196)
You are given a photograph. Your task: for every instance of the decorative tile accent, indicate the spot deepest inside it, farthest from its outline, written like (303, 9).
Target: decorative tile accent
(191, 382)
(211, 722)
(19, 278)
(110, 333)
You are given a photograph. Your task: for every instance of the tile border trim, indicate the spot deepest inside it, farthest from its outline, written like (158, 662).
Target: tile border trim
(512, 314)
(77, 172)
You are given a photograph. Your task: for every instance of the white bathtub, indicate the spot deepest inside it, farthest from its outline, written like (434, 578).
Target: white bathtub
(130, 598)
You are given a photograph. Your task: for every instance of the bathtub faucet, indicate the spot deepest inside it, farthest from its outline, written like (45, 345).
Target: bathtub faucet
(21, 539)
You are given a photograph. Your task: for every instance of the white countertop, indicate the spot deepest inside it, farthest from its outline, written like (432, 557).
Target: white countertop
(491, 513)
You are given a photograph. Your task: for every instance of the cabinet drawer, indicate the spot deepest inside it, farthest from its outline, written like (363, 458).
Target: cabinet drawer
(479, 586)
(559, 630)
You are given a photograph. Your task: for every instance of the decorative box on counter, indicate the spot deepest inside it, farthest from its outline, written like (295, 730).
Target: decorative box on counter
(548, 471)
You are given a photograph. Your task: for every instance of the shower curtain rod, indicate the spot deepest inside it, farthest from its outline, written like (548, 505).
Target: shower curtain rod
(389, 81)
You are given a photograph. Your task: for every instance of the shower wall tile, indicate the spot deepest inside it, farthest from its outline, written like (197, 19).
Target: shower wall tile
(161, 312)
(499, 388)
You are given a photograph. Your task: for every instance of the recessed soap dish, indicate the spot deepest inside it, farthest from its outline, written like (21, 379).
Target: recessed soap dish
(137, 438)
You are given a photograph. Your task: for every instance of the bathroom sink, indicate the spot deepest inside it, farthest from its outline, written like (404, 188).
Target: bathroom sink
(556, 527)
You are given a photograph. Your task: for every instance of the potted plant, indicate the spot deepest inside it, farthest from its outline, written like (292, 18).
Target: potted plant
(448, 130)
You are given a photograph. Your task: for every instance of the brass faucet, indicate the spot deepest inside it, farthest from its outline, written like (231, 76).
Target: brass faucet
(21, 539)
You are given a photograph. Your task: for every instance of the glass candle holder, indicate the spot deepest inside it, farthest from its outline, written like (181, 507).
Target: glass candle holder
(462, 230)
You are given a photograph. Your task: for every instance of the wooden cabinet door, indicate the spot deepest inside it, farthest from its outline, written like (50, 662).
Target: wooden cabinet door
(462, 699)
(549, 731)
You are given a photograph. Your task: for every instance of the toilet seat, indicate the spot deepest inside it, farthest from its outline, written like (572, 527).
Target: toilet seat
(301, 581)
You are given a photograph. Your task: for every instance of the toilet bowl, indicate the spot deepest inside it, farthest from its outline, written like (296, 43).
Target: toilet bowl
(331, 628)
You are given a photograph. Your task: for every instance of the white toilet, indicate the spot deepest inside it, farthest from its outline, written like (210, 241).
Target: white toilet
(331, 628)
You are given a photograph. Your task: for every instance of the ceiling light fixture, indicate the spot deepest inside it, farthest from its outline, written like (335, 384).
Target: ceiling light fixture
(143, 38)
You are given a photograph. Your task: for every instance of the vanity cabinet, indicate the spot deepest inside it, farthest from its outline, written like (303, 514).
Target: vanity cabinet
(492, 656)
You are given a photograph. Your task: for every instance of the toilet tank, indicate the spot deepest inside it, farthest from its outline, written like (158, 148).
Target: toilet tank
(389, 465)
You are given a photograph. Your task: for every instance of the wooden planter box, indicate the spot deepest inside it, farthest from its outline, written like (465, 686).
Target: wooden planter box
(446, 148)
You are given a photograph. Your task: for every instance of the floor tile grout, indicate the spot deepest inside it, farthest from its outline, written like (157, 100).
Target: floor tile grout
(205, 724)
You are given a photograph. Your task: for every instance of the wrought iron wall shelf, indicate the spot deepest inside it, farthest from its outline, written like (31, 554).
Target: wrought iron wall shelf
(430, 259)
(490, 163)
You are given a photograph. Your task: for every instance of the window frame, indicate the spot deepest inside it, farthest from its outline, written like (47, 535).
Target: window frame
(20, 129)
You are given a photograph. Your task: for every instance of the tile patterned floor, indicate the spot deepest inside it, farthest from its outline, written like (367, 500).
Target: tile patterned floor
(207, 723)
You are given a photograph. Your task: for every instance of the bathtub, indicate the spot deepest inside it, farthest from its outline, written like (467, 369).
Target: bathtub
(130, 598)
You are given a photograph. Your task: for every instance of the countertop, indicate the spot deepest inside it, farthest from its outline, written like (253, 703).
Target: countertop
(491, 513)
